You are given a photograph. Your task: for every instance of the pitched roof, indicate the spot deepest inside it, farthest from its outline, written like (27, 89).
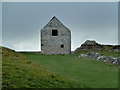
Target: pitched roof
(55, 23)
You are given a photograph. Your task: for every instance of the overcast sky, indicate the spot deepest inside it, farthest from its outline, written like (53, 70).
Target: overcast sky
(60, 0)
(0, 24)
(22, 22)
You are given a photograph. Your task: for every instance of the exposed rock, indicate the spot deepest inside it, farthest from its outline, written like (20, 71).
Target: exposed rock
(83, 55)
(101, 58)
(107, 59)
(116, 47)
(93, 55)
(90, 45)
(93, 45)
(117, 61)
(90, 42)
(98, 57)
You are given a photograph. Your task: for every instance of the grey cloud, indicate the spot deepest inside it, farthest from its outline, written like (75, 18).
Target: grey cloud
(22, 22)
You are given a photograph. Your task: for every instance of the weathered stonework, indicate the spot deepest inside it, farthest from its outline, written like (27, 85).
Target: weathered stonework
(55, 38)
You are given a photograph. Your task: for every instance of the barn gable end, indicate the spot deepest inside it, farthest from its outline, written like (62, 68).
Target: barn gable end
(55, 38)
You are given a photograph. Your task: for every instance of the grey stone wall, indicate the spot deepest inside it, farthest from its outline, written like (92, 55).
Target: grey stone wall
(52, 44)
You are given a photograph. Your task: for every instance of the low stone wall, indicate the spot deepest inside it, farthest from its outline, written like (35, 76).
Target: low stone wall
(98, 57)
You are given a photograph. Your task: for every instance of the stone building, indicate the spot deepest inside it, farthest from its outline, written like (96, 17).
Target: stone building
(55, 38)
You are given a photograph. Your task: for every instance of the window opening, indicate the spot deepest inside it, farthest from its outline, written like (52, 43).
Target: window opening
(54, 32)
(62, 46)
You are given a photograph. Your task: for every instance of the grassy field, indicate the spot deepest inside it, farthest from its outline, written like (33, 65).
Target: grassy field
(20, 72)
(88, 72)
(32, 70)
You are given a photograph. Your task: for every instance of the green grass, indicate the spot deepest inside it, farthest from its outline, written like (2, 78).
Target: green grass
(83, 71)
(56, 71)
(20, 72)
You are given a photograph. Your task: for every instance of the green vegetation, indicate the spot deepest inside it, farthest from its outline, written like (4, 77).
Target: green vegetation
(25, 70)
(20, 72)
(83, 71)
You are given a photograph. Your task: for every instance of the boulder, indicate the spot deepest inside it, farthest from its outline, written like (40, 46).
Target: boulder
(117, 61)
(111, 59)
(101, 58)
(83, 55)
(93, 55)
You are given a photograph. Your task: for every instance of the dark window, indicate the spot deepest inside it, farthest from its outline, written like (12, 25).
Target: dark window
(54, 32)
(62, 46)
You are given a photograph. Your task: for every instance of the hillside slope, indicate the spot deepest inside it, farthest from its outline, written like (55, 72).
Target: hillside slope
(19, 72)
(84, 71)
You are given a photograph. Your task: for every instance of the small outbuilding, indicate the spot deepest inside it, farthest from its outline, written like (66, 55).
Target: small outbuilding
(55, 38)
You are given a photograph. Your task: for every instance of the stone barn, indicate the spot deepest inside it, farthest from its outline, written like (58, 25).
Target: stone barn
(55, 38)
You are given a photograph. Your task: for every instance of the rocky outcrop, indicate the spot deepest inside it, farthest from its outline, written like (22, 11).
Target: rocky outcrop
(98, 57)
(93, 45)
(116, 48)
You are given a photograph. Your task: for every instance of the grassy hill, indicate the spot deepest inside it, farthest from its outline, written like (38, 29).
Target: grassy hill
(20, 72)
(88, 72)
(25, 70)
